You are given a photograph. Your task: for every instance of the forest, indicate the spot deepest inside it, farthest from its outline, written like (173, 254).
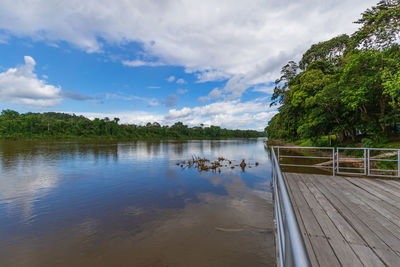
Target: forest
(52, 125)
(347, 88)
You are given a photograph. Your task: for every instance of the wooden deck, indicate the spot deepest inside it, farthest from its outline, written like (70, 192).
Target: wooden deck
(347, 221)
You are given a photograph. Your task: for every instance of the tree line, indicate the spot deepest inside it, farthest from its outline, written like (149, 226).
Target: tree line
(51, 125)
(348, 86)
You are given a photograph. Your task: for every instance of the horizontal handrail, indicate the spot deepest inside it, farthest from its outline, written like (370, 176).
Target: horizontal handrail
(310, 166)
(304, 157)
(291, 248)
(306, 147)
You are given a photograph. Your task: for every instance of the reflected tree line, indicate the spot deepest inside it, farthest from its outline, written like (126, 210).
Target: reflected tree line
(13, 152)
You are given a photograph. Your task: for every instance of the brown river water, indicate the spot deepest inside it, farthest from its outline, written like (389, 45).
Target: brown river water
(129, 204)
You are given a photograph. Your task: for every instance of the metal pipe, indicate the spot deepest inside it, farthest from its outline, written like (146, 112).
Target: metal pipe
(398, 163)
(369, 162)
(297, 250)
(279, 159)
(308, 166)
(333, 161)
(303, 157)
(365, 161)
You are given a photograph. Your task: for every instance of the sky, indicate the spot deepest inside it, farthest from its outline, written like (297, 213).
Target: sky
(199, 62)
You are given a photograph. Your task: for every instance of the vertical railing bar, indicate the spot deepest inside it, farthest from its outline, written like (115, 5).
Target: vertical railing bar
(369, 163)
(337, 161)
(333, 161)
(279, 159)
(398, 162)
(365, 161)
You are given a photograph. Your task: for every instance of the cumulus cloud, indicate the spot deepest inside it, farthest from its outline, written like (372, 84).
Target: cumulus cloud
(244, 41)
(20, 85)
(180, 81)
(140, 63)
(171, 78)
(229, 114)
(211, 76)
(214, 94)
(264, 89)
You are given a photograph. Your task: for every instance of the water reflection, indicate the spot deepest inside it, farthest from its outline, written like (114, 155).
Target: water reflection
(127, 203)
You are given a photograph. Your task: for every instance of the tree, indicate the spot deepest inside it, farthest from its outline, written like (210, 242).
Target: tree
(380, 26)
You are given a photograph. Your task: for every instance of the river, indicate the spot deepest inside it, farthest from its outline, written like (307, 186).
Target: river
(128, 204)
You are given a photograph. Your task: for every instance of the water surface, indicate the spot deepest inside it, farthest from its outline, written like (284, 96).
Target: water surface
(129, 204)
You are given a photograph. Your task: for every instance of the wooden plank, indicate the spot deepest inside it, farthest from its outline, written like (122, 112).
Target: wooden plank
(389, 232)
(383, 251)
(389, 189)
(383, 195)
(343, 226)
(366, 255)
(341, 248)
(393, 183)
(323, 251)
(387, 210)
(307, 242)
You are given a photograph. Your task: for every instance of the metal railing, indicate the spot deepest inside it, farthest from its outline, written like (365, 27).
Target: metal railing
(331, 157)
(336, 159)
(291, 250)
(290, 245)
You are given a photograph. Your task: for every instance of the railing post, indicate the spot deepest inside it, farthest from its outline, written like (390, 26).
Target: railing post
(398, 162)
(279, 160)
(365, 161)
(333, 161)
(369, 162)
(337, 161)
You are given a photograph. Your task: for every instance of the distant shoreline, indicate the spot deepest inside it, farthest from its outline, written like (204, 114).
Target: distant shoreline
(122, 139)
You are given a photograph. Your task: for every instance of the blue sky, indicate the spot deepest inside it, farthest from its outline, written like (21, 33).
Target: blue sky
(158, 61)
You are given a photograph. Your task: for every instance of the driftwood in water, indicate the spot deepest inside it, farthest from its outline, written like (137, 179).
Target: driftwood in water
(203, 164)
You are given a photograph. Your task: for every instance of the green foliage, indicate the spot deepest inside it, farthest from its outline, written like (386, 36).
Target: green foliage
(366, 142)
(63, 126)
(380, 26)
(348, 87)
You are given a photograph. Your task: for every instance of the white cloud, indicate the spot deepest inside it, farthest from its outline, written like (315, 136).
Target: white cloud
(244, 41)
(20, 85)
(229, 114)
(211, 75)
(180, 81)
(264, 89)
(214, 94)
(171, 78)
(140, 63)
(182, 91)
